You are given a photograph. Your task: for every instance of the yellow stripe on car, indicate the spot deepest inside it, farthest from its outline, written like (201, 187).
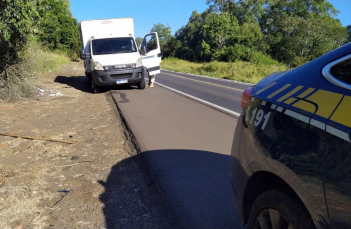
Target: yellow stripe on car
(296, 89)
(278, 91)
(265, 88)
(342, 115)
(305, 93)
(302, 95)
(303, 105)
(326, 101)
(321, 103)
(290, 101)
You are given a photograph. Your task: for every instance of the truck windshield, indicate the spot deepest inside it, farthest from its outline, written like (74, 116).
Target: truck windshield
(113, 46)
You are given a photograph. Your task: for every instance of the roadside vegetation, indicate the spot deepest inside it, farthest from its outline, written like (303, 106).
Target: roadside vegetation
(18, 80)
(239, 71)
(36, 37)
(234, 39)
(242, 40)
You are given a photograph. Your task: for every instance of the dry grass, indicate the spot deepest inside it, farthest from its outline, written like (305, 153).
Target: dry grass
(17, 81)
(239, 71)
(106, 188)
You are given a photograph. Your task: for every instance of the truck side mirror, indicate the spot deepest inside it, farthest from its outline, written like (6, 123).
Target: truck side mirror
(160, 54)
(82, 54)
(143, 50)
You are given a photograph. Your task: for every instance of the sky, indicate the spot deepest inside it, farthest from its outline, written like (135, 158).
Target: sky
(174, 13)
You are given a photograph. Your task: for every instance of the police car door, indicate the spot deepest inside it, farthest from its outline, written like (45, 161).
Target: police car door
(337, 158)
(151, 53)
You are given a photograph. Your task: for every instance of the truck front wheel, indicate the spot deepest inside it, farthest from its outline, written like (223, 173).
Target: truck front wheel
(142, 84)
(97, 88)
(88, 75)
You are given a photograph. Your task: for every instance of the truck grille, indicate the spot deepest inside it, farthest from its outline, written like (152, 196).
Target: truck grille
(121, 76)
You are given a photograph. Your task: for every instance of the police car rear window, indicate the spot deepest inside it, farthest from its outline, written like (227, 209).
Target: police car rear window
(342, 71)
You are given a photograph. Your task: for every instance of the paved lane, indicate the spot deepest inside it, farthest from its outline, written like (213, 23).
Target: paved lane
(223, 93)
(185, 146)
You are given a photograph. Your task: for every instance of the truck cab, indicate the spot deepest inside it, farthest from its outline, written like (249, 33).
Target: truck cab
(112, 56)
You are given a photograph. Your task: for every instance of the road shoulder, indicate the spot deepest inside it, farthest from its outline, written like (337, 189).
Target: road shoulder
(93, 183)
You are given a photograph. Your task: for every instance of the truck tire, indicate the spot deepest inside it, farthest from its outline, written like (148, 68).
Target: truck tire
(142, 85)
(97, 88)
(88, 75)
(276, 209)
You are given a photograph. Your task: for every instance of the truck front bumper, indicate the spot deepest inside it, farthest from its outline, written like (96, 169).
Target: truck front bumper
(110, 77)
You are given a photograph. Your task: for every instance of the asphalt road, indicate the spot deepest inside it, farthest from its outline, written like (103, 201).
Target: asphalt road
(186, 146)
(224, 93)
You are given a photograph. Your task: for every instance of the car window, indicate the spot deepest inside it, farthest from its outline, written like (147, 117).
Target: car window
(342, 71)
(151, 42)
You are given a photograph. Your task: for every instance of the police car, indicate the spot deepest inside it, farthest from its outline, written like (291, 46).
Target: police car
(291, 154)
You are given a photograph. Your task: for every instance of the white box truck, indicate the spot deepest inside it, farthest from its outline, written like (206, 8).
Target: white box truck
(111, 56)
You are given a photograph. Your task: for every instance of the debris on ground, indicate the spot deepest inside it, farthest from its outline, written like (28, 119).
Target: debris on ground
(49, 92)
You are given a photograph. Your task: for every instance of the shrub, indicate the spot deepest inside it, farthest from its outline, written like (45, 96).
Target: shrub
(239, 70)
(18, 80)
(213, 66)
(297, 61)
(260, 58)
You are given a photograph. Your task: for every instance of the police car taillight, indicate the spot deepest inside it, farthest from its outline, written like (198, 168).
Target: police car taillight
(247, 94)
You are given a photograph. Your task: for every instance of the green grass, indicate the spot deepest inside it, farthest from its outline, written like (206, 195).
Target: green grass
(43, 61)
(239, 71)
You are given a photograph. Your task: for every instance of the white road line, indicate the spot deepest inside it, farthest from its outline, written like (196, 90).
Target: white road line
(209, 77)
(338, 133)
(201, 81)
(214, 106)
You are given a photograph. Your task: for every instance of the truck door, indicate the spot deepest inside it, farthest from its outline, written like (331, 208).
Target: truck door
(150, 52)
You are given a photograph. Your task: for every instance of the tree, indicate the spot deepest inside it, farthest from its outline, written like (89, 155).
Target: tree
(58, 29)
(217, 31)
(302, 40)
(164, 32)
(17, 24)
(190, 37)
(164, 35)
(138, 40)
(291, 30)
(348, 33)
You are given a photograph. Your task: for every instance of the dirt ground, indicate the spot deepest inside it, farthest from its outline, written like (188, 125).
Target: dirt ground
(92, 183)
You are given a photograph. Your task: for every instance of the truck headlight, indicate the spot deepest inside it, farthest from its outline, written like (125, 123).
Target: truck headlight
(98, 66)
(139, 63)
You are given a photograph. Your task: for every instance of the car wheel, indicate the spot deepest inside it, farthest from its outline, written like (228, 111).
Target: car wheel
(142, 84)
(275, 209)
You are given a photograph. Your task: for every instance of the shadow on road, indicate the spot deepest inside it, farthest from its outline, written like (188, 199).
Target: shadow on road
(187, 188)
